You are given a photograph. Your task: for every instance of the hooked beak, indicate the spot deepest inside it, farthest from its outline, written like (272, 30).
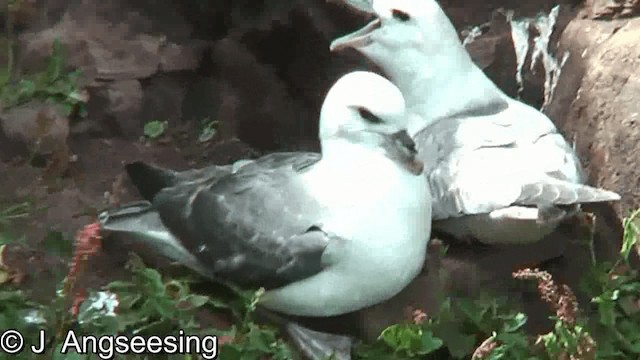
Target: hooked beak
(402, 149)
(356, 39)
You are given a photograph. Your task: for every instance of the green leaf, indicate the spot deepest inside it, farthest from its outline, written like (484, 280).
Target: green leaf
(208, 130)
(26, 89)
(607, 312)
(6, 239)
(259, 339)
(472, 311)
(4, 76)
(55, 63)
(155, 129)
(152, 281)
(219, 304)
(401, 337)
(630, 236)
(197, 301)
(458, 343)
(430, 343)
(56, 244)
(230, 352)
(70, 355)
(410, 339)
(175, 290)
(515, 323)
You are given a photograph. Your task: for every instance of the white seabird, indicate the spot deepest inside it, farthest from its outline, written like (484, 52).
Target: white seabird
(499, 170)
(324, 234)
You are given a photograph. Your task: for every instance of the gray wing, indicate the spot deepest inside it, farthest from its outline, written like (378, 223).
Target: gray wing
(475, 165)
(150, 179)
(256, 227)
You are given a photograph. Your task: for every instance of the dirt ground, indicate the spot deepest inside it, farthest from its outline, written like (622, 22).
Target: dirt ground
(96, 179)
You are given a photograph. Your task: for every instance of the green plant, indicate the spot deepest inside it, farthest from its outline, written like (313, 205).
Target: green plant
(154, 129)
(14, 211)
(616, 297)
(53, 84)
(457, 329)
(208, 129)
(611, 331)
(485, 327)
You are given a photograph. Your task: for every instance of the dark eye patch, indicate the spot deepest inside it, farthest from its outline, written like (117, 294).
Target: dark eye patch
(400, 15)
(367, 115)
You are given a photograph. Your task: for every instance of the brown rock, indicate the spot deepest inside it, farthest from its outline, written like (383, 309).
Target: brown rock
(176, 57)
(133, 59)
(465, 271)
(163, 97)
(116, 106)
(597, 103)
(612, 9)
(110, 43)
(41, 127)
(265, 113)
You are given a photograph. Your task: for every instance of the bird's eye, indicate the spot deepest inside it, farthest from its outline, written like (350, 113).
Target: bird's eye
(367, 115)
(400, 15)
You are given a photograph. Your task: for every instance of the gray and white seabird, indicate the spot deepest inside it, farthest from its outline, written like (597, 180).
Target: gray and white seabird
(498, 169)
(323, 234)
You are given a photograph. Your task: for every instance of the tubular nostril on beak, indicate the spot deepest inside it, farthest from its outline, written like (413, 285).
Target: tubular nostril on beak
(402, 138)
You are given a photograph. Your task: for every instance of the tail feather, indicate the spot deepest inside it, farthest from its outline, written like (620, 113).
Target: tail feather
(142, 224)
(563, 193)
(149, 179)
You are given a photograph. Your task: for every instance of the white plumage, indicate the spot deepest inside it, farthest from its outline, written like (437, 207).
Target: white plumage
(498, 169)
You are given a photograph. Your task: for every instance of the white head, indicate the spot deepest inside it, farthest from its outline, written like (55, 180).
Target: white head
(413, 28)
(365, 109)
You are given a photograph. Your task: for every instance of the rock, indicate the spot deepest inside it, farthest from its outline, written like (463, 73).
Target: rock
(612, 9)
(163, 98)
(177, 57)
(116, 106)
(493, 49)
(34, 128)
(112, 42)
(99, 49)
(465, 271)
(115, 47)
(597, 103)
(134, 59)
(266, 114)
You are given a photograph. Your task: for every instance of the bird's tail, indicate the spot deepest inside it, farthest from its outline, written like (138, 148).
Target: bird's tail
(149, 179)
(140, 223)
(559, 192)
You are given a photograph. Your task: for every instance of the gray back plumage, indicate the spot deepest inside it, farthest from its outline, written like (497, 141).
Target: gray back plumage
(257, 226)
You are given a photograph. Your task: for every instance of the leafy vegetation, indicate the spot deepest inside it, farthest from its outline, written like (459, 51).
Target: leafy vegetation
(154, 129)
(208, 129)
(53, 84)
(486, 327)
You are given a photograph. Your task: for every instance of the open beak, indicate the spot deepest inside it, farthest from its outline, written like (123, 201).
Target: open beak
(356, 39)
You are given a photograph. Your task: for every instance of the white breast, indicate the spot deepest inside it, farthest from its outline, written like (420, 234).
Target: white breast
(384, 214)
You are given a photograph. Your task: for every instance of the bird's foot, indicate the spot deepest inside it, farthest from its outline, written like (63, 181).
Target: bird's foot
(315, 345)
